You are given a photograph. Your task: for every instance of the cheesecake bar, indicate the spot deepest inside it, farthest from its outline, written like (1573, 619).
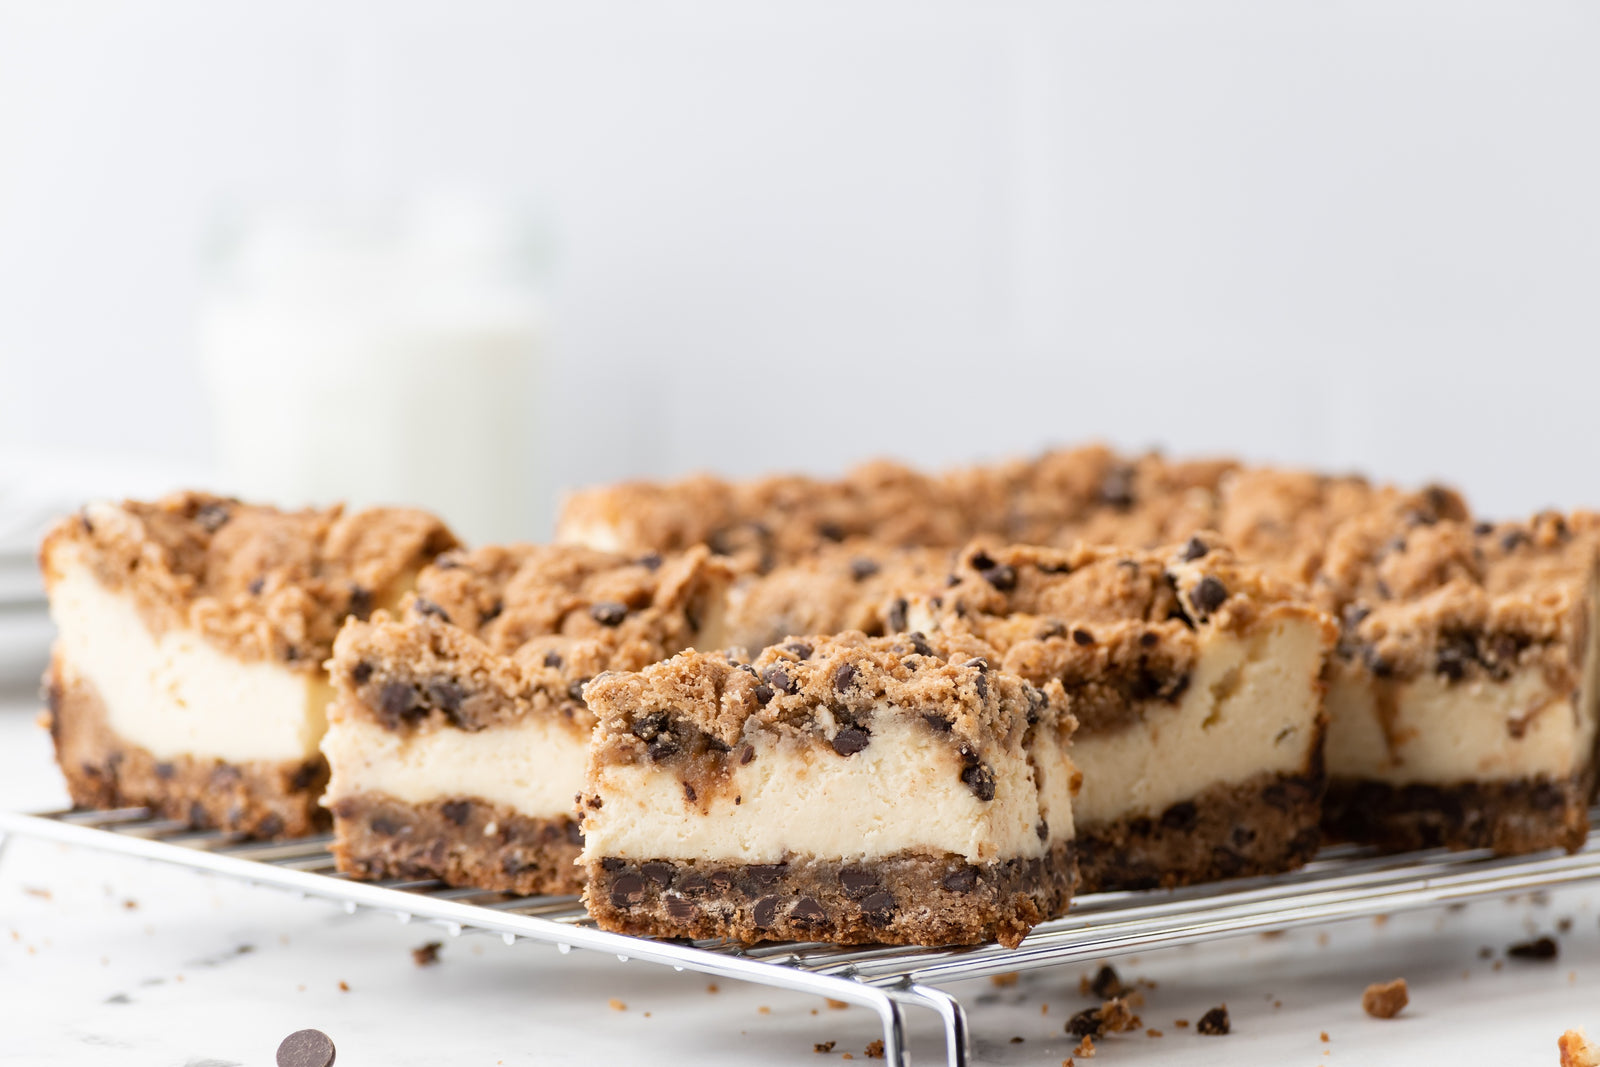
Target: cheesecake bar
(188, 675)
(1197, 684)
(458, 734)
(848, 789)
(1465, 694)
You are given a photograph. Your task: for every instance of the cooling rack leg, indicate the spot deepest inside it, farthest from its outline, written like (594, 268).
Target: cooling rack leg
(957, 1046)
(894, 1034)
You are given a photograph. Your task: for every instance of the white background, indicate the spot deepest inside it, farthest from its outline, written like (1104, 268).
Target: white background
(794, 235)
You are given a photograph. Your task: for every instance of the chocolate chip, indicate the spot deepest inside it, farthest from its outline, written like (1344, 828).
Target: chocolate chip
(608, 613)
(360, 672)
(306, 1048)
(575, 690)
(678, 909)
(857, 881)
(878, 908)
(862, 568)
(844, 676)
(1082, 637)
(763, 693)
(360, 601)
(779, 679)
(650, 561)
(1116, 489)
(850, 740)
(980, 779)
(1107, 984)
(764, 913)
(964, 880)
(1182, 816)
(446, 695)
(978, 662)
(256, 586)
(800, 649)
(386, 826)
(896, 618)
(662, 747)
(199, 818)
(830, 531)
(456, 811)
(981, 683)
(689, 794)
(919, 643)
(1002, 576)
(627, 891)
(398, 701)
(552, 660)
(1542, 949)
(658, 872)
(1193, 549)
(938, 722)
(1087, 1023)
(425, 607)
(692, 882)
(1148, 639)
(165, 770)
(212, 517)
(1214, 1023)
(809, 911)
(766, 873)
(1209, 594)
(1376, 663)
(1512, 538)
(746, 754)
(612, 863)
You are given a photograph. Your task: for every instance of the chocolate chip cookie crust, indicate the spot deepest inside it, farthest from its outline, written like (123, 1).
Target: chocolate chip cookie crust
(187, 675)
(848, 789)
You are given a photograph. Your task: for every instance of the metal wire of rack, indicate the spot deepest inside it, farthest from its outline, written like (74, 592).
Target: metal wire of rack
(1341, 883)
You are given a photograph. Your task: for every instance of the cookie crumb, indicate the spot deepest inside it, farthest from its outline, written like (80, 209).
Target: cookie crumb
(1105, 985)
(711, 988)
(1384, 1000)
(1153, 1033)
(1540, 949)
(426, 955)
(1181, 1024)
(1324, 1037)
(1577, 1050)
(1005, 981)
(836, 1005)
(133, 905)
(763, 1010)
(1085, 1048)
(874, 1049)
(1117, 1018)
(344, 987)
(617, 1005)
(1016, 1040)
(1044, 1009)
(1564, 925)
(1485, 952)
(1214, 1023)
(823, 1046)
(36, 891)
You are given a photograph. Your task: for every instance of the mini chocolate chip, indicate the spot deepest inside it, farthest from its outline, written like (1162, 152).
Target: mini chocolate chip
(1544, 948)
(575, 690)
(844, 676)
(649, 727)
(446, 695)
(256, 586)
(1209, 594)
(689, 793)
(306, 1048)
(165, 770)
(385, 826)
(360, 601)
(746, 754)
(830, 531)
(763, 693)
(850, 740)
(456, 811)
(658, 872)
(765, 912)
(1116, 489)
(919, 643)
(1149, 639)
(800, 649)
(662, 747)
(398, 700)
(978, 662)
(425, 607)
(862, 568)
(964, 880)
(627, 891)
(938, 722)
(981, 561)
(980, 779)
(857, 881)
(1214, 1023)
(1002, 576)
(1193, 549)
(1511, 539)
(1082, 637)
(361, 672)
(981, 683)
(212, 517)
(896, 618)
(679, 909)
(766, 873)
(612, 863)
(779, 679)
(808, 910)
(608, 613)
(552, 659)
(650, 561)
(270, 825)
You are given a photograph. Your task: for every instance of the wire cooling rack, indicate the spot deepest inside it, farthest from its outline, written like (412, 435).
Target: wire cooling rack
(1341, 883)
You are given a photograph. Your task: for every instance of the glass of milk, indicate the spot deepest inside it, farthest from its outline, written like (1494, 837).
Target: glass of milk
(385, 355)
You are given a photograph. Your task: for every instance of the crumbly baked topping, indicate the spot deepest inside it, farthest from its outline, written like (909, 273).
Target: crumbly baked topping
(504, 631)
(256, 582)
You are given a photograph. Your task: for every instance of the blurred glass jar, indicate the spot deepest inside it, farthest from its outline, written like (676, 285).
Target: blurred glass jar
(382, 356)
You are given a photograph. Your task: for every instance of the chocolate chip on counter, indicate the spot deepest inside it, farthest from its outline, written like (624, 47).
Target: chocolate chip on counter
(779, 679)
(862, 568)
(850, 740)
(808, 910)
(1082, 637)
(1209, 594)
(844, 677)
(1087, 1023)
(425, 607)
(1193, 549)
(1107, 984)
(980, 779)
(896, 618)
(627, 891)
(553, 660)
(1541, 949)
(765, 912)
(1214, 1023)
(608, 613)
(426, 955)
(306, 1048)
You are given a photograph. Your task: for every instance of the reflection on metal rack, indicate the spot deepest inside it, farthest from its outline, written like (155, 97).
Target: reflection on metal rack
(1342, 883)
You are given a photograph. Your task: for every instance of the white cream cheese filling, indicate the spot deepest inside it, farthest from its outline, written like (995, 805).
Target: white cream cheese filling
(1250, 708)
(176, 694)
(902, 793)
(533, 766)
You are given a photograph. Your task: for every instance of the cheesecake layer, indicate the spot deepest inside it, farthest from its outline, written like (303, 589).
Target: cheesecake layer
(259, 798)
(176, 694)
(532, 767)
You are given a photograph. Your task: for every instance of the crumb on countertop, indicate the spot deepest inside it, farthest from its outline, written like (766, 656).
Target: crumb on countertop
(1215, 1022)
(1540, 949)
(1085, 1048)
(836, 1005)
(874, 1049)
(1384, 1000)
(617, 1005)
(426, 955)
(1577, 1050)
(823, 1046)
(1006, 980)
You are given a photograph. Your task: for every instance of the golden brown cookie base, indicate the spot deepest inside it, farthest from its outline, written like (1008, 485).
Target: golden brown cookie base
(257, 798)
(1265, 825)
(461, 841)
(909, 899)
(1525, 815)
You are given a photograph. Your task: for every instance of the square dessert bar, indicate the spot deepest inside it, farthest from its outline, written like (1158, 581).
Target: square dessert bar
(848, 789)
(187, 675)
(1465, 694)
(458, 735)
(1197, 685)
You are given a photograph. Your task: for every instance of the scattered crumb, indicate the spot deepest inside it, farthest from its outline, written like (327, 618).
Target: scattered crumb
(1498, 964)
(647, 1015)
(1485, 952)
(36, 891)
(1465, 974)
(179, 978)
(836, 1005)
(426, 955)
(16, 935)
(712, 988)
(344, 987)
(1542, 949)
(823, 1046)
(1044, 1009)
(1380, 920)
(1117, 1018)
(133, 905)
(1324, 1037)
(1322, 939)
(847, 1056)
(1153, 1033)
(617, 1005)
(1085, 1048)
(1277, 1003)
(1105, 984)
(1068, 1062)
(1016, 1040)
(1181, 1024)
(1564, 925)
(299, 989)
(1577, 1050)
(1572, 976)
(763, 1010)
(1005, 980)
(1272, 935)
(1214, 1023)
(1383, 1000)
(814, 1011)
(874, 1049)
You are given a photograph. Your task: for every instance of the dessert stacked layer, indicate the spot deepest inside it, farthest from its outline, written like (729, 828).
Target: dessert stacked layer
(187, 675)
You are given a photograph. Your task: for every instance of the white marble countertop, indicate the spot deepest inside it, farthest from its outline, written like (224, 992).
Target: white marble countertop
(113, 961)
